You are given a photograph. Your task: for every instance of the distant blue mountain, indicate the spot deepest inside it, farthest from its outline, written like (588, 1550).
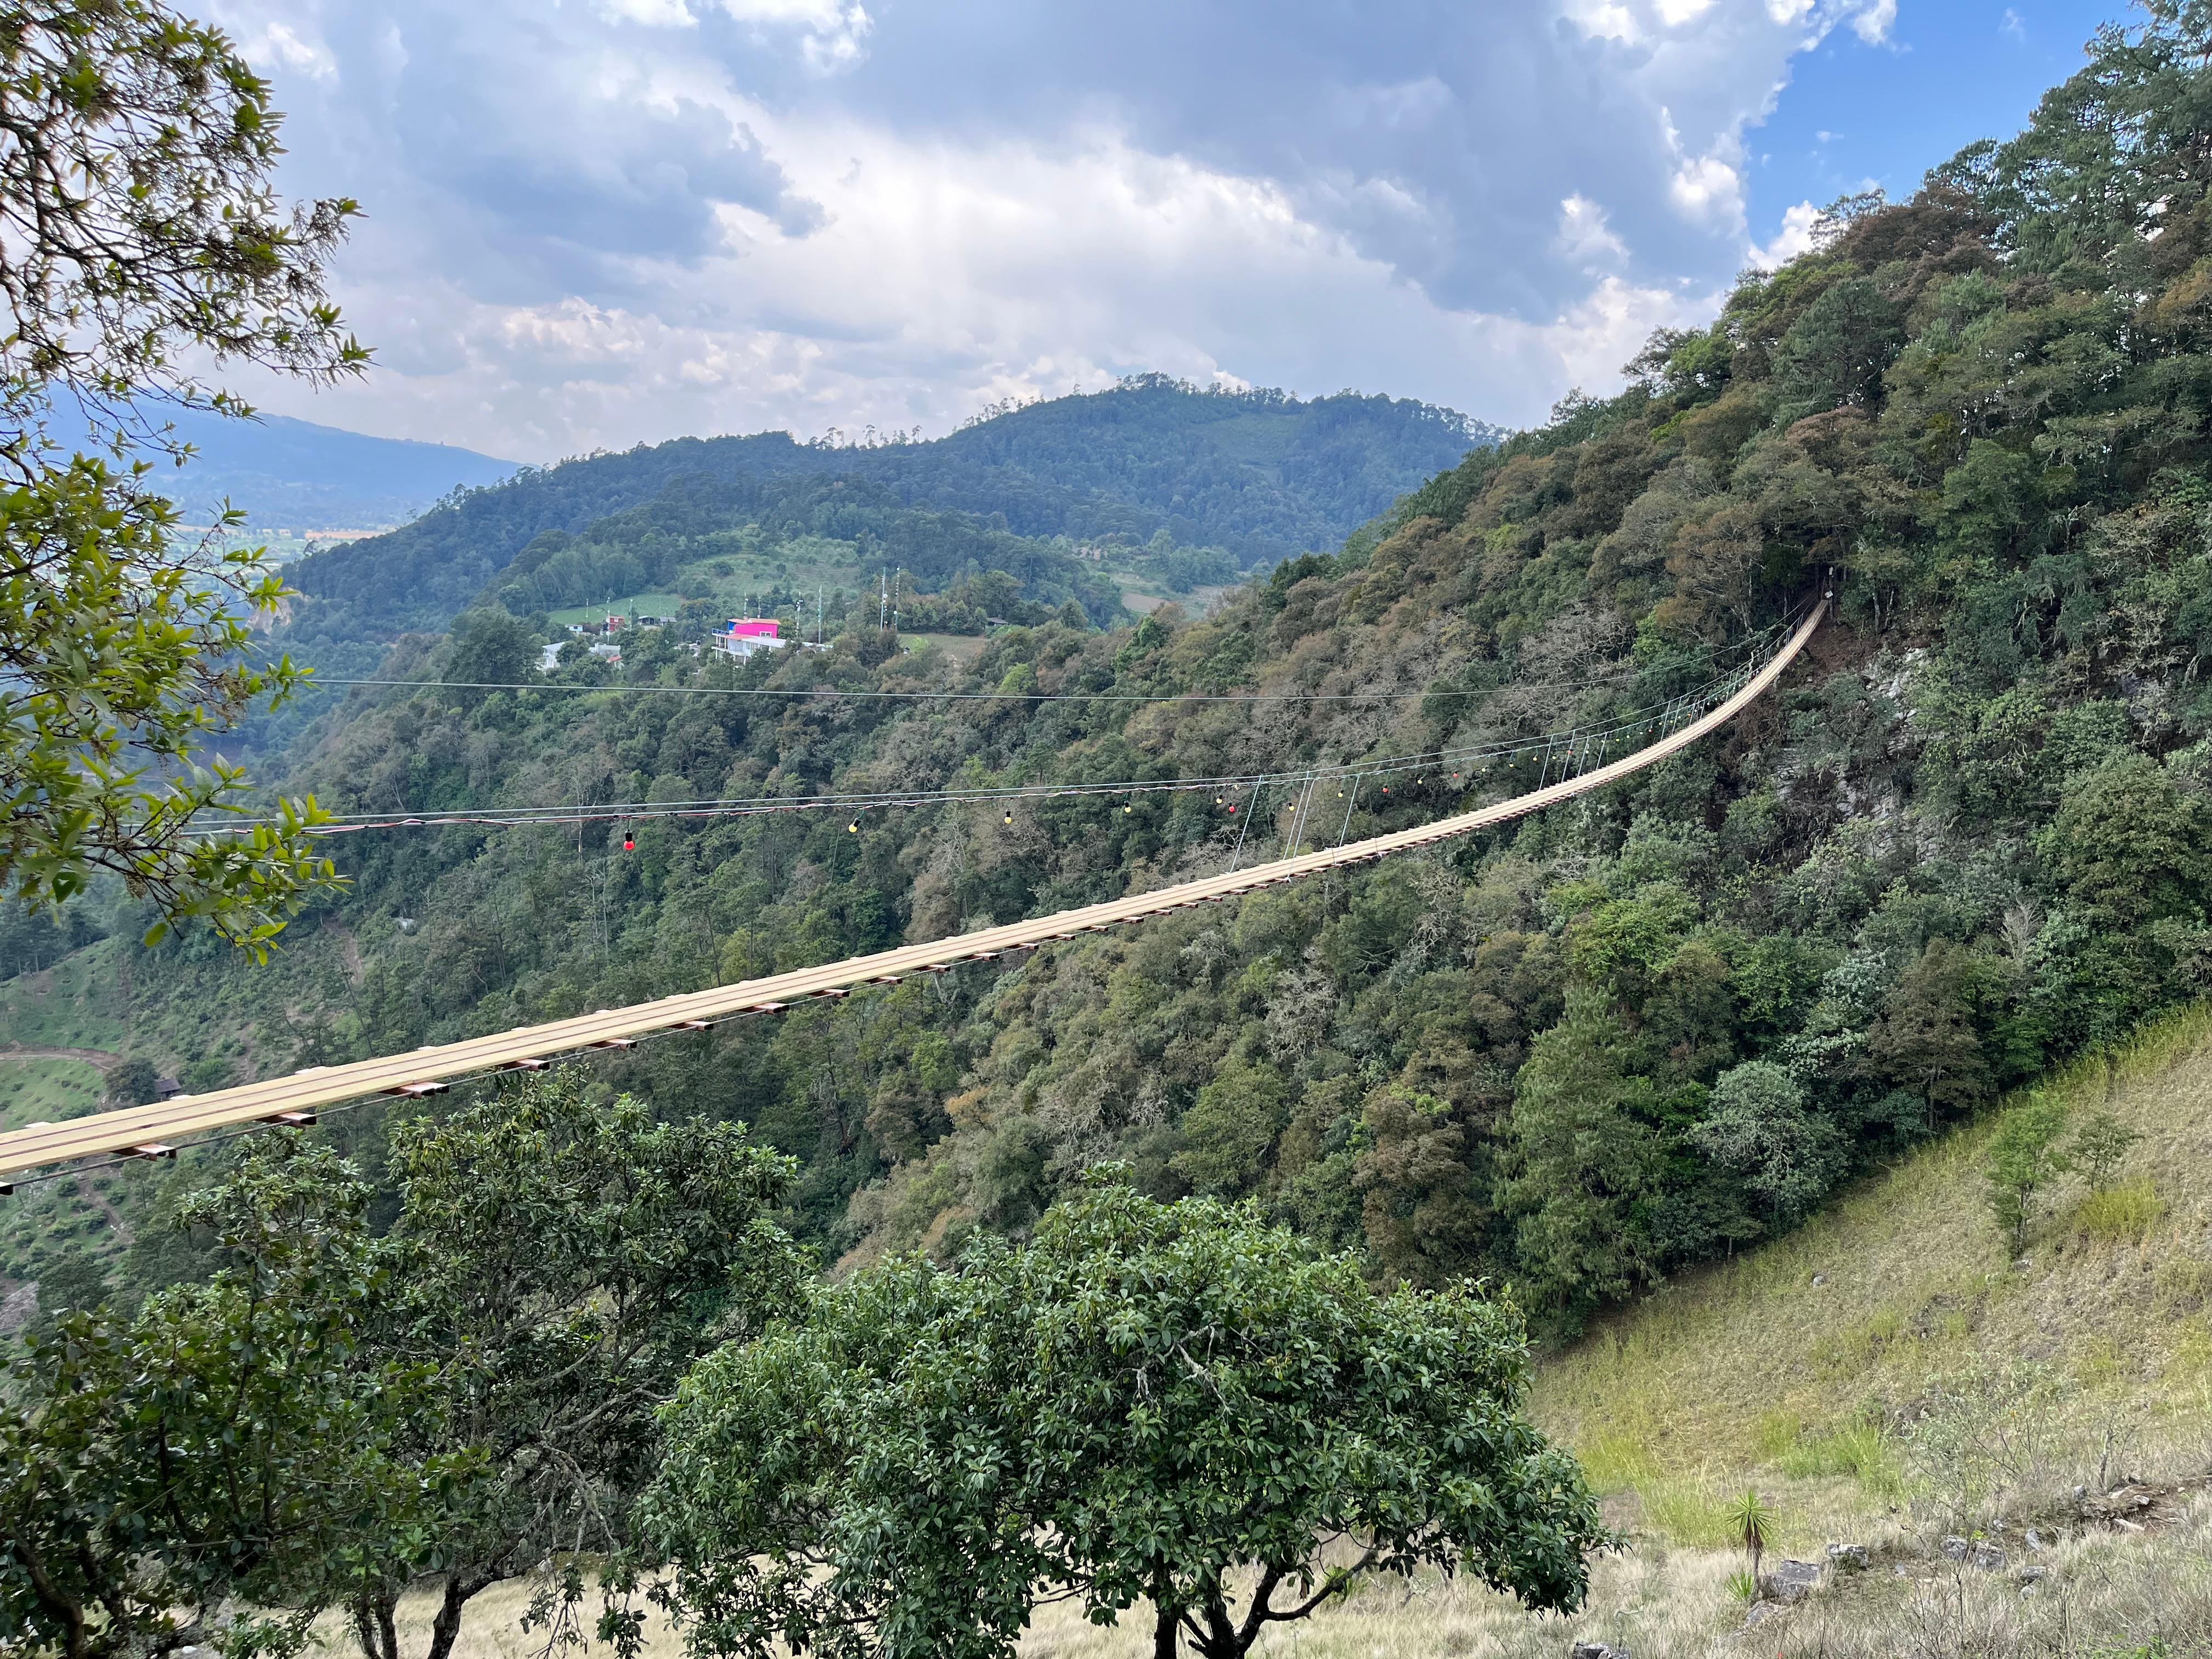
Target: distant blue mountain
(295, 475)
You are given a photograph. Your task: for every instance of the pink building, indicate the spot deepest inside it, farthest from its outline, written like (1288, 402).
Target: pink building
(747, 635)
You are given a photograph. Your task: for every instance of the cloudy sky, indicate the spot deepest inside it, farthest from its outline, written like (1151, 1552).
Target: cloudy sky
(592, 222)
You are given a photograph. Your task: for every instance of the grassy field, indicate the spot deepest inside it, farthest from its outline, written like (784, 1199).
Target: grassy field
(1788, 1357)
(1199, 601)
(1894, 1374)
(71, 1005)
(961, 647)
(2111, 1596)
(35, 1089)
(649, 604)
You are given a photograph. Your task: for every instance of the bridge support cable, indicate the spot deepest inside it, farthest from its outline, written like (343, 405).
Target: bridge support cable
(136, 1130)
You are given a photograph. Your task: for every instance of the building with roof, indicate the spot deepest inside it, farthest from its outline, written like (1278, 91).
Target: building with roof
(744, 635)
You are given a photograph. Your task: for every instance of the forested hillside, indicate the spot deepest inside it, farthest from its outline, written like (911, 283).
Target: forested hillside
(1259, 474)
(1974, 838)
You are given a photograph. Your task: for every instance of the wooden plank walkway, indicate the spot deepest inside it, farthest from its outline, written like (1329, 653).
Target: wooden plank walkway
(155, 1128)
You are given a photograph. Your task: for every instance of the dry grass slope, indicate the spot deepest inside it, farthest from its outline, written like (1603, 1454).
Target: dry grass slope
(1820, 1347)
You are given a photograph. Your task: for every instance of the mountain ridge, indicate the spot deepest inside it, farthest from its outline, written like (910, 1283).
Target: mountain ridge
(293, 474)
(1128, 464)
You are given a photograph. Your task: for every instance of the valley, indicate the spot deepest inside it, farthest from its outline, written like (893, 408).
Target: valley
(1230, 1023)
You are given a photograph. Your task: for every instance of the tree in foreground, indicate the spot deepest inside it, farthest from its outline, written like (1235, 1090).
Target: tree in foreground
(332, 1416)
(141, 236)
(1167, 1403)
(202, 1471)
(557, 1264)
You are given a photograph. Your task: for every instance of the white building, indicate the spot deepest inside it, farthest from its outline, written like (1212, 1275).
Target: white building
(744, 635)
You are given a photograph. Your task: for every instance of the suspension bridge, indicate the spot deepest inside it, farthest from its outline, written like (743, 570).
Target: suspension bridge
(155, 1131)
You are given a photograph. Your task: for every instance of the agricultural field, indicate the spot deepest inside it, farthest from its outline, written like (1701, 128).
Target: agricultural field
(643, 604)
(963, 648)
(72, 1004)
(46, 1089)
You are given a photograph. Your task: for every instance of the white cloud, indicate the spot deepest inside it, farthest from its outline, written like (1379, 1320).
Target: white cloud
(1604, 20)
(815, 16)
(653, 13)
(277, 43)
(1872, 23)
(833, 31)
(1593, 339)
(630, 219)
(1708, 190)
(941, 281)
(1408, 104)
(1584, 232)
(1795, 237)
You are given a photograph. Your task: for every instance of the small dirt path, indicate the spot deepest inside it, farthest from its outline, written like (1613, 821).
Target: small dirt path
(99, 1057)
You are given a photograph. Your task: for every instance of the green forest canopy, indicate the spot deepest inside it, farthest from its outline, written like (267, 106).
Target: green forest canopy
(1970, 839)
(1258, 473)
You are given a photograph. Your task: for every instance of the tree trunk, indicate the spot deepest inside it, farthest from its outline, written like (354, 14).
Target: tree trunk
(447, 1626)
(70, 1613)
(374, 1625)
(1220, 1641)
(1164, 1635)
